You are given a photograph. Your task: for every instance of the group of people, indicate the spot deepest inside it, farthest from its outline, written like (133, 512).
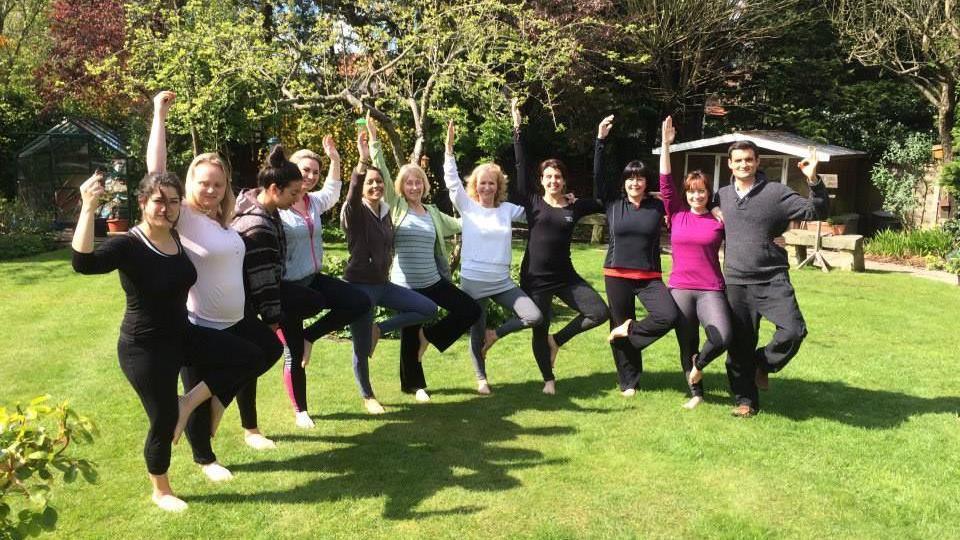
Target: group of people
(219, 286)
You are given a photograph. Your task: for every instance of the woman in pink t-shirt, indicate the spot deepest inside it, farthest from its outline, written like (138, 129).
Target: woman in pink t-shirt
(696, 283)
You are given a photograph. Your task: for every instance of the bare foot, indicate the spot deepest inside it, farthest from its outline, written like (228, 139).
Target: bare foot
(550, 388)
(422, 396)
(304, 421)
(423, 346)
(373, 406)
(621, 331)
(374, 338)
(629, 392)
(257, 441)
(483, 388)
(762, 379)
(489, 338)
(307, 349)
(693, 402)
(216, 472)
(216, 414)
(554, 350)
(169, 502)
(696, 375)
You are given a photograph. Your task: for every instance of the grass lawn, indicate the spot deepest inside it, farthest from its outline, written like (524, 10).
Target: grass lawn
(858, 436)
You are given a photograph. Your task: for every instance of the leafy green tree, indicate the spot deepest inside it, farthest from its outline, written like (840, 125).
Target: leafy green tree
(900, 173)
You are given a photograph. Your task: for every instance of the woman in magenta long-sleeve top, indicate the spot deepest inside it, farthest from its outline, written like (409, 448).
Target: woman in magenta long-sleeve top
(696, 283)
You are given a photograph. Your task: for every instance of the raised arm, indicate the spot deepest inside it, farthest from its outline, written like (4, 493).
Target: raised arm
(354, 202)
(157, 143)
(599, 180)
(90, 192)
(329, 194)
(380, 161)
(451, 176)
(672, 201)
(519, 152)
(814, 207)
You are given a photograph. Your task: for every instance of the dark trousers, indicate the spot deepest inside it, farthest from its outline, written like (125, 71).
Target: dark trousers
(709, 309)
(223, 362)
(661, 316)
(591, 312)
(302, 300)
(776, 302)
(263, 344)
(462, 312)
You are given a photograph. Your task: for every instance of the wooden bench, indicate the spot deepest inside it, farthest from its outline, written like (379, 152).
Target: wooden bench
(844, 251)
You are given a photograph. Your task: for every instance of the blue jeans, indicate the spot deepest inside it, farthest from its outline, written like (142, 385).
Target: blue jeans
(411, 307)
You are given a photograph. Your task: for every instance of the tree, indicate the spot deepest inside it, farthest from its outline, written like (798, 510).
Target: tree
(409, 59)
(915, 39)
(84, 34)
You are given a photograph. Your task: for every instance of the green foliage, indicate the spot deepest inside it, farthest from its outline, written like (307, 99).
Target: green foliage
(912, 243)
(900, 172)
(23, 230)
(952, 227)
(950, 263)
(33, 443)
(950, 177)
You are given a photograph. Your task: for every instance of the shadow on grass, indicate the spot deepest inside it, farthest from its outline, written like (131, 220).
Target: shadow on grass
(42, 268)
(419, 450)
(799, 399)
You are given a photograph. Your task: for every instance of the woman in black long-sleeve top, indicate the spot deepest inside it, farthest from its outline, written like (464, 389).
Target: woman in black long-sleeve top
(156, 339)
(546, 270)
(631, 269)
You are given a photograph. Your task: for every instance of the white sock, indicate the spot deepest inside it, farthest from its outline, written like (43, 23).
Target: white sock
(169, 503)
(304, 421)
(216, 472)
(422, 396)
(259, 442)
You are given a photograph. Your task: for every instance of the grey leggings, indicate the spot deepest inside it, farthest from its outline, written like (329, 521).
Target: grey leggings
(710, 309)
(527, 315)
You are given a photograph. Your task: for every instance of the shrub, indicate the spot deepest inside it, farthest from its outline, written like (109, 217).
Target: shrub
(950, 177)
(33, 446)
(916, 243)
(24, 231)
(900, 172)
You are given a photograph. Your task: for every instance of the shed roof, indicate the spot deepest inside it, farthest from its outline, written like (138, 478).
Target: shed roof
(778, 141)
(79, 126)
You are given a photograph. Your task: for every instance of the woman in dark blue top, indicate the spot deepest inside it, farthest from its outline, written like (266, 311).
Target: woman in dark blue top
(546, 270)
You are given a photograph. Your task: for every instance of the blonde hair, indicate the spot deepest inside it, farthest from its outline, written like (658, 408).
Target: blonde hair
(226, 209)
(303, 154)
(481, 170)
(415, 171)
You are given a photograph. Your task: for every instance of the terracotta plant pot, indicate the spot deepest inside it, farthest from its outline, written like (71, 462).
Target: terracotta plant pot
(118, 225)
(839, 228)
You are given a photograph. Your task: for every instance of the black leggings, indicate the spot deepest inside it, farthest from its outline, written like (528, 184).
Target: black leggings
(302, 300)
(662, 314)
(591, 312)
(223, 361)
(265, 346)
(462, 312)
(707, 308)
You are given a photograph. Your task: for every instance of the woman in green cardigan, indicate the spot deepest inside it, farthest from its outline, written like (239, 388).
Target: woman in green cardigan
(420, 263)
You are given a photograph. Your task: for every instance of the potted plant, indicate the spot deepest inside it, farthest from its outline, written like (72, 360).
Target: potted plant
(114, 206)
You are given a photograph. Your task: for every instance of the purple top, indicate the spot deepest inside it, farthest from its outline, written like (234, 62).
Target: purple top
(695, 241)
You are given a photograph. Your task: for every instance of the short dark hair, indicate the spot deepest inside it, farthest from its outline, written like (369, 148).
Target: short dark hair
(556, 164)
(636, 168)
(743, 145)
(278, 170)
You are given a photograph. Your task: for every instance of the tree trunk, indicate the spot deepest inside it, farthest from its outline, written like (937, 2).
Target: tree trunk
(946, 110)
(194, 140)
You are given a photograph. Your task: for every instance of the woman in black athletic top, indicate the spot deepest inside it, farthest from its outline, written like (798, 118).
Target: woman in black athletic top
(156, 339)
(546, 270)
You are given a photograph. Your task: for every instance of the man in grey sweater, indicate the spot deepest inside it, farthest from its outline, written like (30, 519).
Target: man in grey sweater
(755, 211)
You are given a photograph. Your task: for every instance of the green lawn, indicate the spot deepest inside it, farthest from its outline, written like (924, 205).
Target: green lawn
(858, 437)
